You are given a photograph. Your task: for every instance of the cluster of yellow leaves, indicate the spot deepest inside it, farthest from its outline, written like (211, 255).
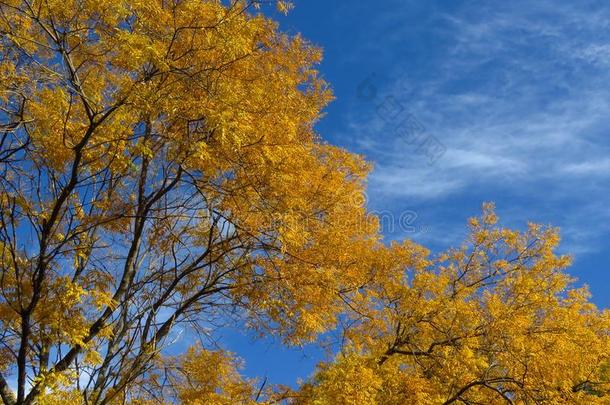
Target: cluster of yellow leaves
(201, 377)
(212, 378)
(59, 389)
(350, 381)
(492, 322)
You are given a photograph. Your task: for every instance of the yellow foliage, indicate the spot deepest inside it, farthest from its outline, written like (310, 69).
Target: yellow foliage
(211, 377)
(496, 321)
(165, 165)
(160, 168)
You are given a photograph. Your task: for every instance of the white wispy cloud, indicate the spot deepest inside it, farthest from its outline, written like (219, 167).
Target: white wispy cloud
(599, 167)
(520, 97)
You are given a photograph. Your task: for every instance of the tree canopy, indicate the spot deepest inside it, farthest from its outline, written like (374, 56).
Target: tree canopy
(160, 170)
(496, 321)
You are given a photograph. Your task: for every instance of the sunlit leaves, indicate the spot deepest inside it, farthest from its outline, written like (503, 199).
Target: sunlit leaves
(495, 321)
(163, 170)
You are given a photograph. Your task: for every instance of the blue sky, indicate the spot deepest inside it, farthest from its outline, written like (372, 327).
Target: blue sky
(518, 95)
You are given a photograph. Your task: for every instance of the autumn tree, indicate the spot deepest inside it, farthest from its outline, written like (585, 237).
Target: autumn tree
(496, 321)
(159, 168)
